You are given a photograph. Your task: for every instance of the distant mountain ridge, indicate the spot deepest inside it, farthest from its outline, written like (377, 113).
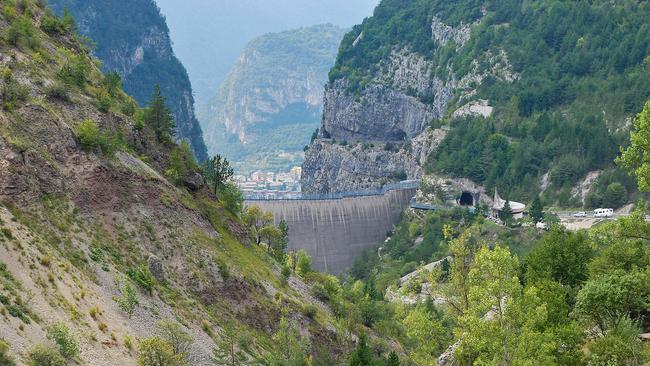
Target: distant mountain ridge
(132, 38)
(274, 95)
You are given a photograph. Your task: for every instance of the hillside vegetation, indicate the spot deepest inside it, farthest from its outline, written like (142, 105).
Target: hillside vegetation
(114, 248)
(131, 38)
(565, 79)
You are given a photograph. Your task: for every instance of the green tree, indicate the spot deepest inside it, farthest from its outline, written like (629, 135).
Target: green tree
(172, 333)
(227, 353)
(217, 171)
(561, 256)
(607, 300)
(303, 263)
(506, 213)
(615, 195)
(505, 323)
(128, 300)
(113, 83)
(290, 349)
(537, 210)
(620, 346)
(362, 354)
(427, 334)
(159, 117)
(154, 351)
(636, 158)
(60, 334)
(393, 359)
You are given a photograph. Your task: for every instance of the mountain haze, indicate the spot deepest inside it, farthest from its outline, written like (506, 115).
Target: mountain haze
(270, 104)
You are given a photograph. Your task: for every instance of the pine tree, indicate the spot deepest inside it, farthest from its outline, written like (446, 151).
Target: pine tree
(217, 171)
(506, 212)
(362, 355)
(159, 117)
(392, 360)
(537, 210)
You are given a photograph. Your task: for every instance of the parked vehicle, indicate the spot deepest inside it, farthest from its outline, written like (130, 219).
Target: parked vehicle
(603, 212)
(580, 214)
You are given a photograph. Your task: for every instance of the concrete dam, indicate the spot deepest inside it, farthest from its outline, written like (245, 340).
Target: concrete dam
(335, 230)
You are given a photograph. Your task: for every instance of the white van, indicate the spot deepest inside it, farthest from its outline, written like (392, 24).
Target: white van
(603, 212)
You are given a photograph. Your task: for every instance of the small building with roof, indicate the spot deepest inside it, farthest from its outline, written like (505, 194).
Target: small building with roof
(499, 203)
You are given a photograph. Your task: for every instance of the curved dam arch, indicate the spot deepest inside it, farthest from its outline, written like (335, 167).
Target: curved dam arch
(335, 231)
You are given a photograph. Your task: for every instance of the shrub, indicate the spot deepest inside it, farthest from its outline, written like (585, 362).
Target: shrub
(104, 102)
(75, 71)
(142, 276)
(303, 263)
(42, 355)
(60, 334)
(309, 311)
(88, 134)
(128, 299)
(13, 93)
(172, 333)
(53, 25)
(5, 359)
(59, 91)
(21, 33)
(154, 351)
(7, 233)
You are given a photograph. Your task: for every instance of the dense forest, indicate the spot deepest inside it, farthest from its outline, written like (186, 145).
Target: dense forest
(581, 71)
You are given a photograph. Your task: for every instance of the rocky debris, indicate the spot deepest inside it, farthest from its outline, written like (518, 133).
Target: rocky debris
(447, 357)
(477, 108)
(156, 268)
(584, 186)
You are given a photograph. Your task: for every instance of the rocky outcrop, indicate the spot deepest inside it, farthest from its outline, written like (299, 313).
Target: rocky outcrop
(443, 33)
(362, 166)
(133, 40)
(380, 114)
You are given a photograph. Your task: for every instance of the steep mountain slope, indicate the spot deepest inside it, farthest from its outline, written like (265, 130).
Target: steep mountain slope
(133, 39)
(532, 96)
(273, 95)
(93, 234)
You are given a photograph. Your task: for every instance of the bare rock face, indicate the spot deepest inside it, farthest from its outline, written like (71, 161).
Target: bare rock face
(443, 33)
(364, 166)
(381, 114)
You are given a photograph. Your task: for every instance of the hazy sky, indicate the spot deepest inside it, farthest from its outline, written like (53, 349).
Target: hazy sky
(208, 35)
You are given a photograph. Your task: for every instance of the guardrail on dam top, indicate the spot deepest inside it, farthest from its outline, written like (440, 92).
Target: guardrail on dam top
(335, 228)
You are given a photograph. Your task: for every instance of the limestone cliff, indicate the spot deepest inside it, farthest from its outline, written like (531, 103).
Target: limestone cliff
(132, 38)
(273, 94)
(522, 91)
(395, 105)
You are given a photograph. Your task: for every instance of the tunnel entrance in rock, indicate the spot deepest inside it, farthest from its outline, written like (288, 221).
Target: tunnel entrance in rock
(466, 199)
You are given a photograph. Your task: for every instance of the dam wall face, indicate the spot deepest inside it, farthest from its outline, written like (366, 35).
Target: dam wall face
(334, 232)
